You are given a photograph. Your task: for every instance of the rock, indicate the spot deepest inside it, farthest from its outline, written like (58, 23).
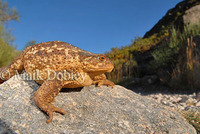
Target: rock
(198, 104)
(184, 99)
(158, 97)
(149, 79)
(192, 108)
(165, 102)
(177, 100)
(91, 110)
(191, 101)
(192, 16)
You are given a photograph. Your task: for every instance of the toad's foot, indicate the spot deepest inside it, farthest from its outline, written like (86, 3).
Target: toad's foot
(50, 109)
(104, 82)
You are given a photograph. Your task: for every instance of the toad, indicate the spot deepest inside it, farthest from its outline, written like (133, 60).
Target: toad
(56, 65)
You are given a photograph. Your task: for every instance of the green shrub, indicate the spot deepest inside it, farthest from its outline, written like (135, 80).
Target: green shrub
(167, 53)
(7, 52)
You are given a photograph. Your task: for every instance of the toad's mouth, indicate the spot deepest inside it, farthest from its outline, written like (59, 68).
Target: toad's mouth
(100, 70)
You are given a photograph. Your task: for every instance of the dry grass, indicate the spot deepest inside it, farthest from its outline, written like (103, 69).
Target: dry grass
(186, 75)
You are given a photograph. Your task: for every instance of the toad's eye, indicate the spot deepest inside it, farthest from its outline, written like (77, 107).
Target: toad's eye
(102, 58)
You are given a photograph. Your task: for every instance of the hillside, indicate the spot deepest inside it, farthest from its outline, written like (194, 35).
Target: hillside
(177, 17)
(161, 53)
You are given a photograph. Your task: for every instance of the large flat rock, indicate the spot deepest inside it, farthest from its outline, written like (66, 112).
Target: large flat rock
(92, 110)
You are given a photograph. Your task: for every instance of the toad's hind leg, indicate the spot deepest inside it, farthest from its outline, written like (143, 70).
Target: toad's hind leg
(45, 95)
(16, 66)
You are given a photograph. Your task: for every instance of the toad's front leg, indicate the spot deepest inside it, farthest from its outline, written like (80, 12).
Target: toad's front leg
(45, 95)
(102, 80)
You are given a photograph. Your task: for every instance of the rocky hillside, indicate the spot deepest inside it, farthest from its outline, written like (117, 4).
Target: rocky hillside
(163, 50)
(184, 13)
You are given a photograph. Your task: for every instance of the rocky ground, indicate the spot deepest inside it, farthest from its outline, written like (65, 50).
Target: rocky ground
(179, 100)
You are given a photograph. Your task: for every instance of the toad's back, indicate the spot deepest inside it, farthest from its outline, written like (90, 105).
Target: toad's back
(53, 55)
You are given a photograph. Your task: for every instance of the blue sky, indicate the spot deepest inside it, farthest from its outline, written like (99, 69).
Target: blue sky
(92, 25)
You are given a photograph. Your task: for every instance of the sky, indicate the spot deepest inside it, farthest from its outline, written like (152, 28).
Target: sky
(92, 25)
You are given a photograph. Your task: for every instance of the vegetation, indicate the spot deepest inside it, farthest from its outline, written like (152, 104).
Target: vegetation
(186, 73)
(7, 53)
(124, 63)
(7, 14)
(169, 49)
(124, 57)
(30, 43)
(7, 50)
(181, 54)
(193, 118)
(145, 44)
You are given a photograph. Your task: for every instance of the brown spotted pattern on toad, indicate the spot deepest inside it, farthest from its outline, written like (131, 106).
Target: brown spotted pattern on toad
(57, 65)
